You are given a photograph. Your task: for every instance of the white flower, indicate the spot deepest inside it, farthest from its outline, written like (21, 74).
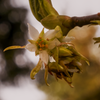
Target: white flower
(41, 43)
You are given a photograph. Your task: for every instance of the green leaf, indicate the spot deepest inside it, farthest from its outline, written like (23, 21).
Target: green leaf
(50, 21)
(42, 8)
(34, 5)
(49, 8)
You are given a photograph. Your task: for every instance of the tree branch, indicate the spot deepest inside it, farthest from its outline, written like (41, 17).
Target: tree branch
(85, 20)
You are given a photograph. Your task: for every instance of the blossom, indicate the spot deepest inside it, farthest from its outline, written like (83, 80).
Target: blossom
(41, 43)
(54, 51)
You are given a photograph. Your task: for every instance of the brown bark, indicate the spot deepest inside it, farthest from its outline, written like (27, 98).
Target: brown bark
(85, 20)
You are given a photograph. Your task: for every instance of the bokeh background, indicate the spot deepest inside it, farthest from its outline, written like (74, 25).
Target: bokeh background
(15, 65)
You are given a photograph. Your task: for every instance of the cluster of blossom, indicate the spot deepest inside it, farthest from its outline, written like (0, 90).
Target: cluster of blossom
(57, 54)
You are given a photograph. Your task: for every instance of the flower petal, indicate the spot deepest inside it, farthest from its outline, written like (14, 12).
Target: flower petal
(44, 56)
(49, 34)
(33, 32)
(13, 47)
(67, 39)
(31, 47)
(56, 33)
(52, 59)
(53, 43)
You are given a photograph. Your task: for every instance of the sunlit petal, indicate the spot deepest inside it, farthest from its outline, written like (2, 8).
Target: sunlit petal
(49, 34)
(44, 56)
(31, 47)
(53, 43)
(56, 33)
(67, 39)
(14, 47)
(33, 32)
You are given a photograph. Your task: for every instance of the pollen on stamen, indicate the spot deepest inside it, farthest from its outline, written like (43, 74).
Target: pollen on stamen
(43, 45)
(40, 49)
(46, 46)
(37, 43)
(40, 38)
(47, 39)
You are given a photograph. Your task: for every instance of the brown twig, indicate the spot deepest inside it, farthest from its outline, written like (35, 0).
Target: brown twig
(85, 20)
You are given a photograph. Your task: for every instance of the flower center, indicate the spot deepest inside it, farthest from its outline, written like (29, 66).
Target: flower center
(41, 44)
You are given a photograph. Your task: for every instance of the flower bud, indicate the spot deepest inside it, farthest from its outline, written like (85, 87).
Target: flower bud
(42, 8)
(67, 62)
(64, 52)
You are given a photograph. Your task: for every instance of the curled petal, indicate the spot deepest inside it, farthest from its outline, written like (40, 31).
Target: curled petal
(13, 47)
(36, 69)
(46, 75)
(67, 39)
(33, 32)
(44, 56)
(31, 47)
(52, 44)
